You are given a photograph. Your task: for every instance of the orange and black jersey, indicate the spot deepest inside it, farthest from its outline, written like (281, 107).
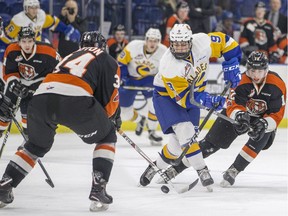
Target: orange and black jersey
(254, 34)
(88, 71)
(30, 69)
(267, 100)
(115, 48)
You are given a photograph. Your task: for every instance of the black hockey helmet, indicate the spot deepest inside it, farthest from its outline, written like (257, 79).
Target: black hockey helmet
(93, 39)
(182, 4)
(257, 60)
(118, 27)
(260, 4)
(26, 32)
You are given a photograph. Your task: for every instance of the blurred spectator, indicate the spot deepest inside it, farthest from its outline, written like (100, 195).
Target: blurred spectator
(224, 4)
(117, 43)
(69, 16)
(226, 25)
(181, 16)
(257, 34)
(33, 16)
(283, 48)
(278, 20)
(200, 13)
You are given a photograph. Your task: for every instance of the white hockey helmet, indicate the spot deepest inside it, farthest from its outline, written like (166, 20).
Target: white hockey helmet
(180, 34)
(153, 33)
(30, 3)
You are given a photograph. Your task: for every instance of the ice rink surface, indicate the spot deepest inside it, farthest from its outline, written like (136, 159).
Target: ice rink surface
(260, 190)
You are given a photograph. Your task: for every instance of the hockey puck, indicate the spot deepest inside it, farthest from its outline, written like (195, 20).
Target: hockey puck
(165, 189)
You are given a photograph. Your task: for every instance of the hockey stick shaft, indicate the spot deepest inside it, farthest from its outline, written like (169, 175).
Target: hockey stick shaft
(138, 88)
(5, 139)
(159, 171)
(177, 161)
(48, 180)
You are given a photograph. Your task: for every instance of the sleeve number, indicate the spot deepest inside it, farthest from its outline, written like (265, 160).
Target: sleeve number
(215, 39)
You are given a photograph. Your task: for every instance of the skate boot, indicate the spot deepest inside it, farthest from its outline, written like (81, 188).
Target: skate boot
(98, 195)
(6, 194)
(147, 176)
(170, 172)
(206, 178)
(155, 139)
(229, 176)
(140, 126)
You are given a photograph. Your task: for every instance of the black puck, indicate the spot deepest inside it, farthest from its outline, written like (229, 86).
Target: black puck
(165, 189)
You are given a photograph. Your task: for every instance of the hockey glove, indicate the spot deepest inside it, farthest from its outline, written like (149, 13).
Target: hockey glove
(243, 120)
(207, 100)
(19, 90)
(6, 108)
(259, 127)
(232, 72)
(116, 119)
(274, 57)
(72, 34)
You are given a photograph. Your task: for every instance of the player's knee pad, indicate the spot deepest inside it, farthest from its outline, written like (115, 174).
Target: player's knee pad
(270, 140)
(127, 113)
(184, 132)
(37, 150)
(207, 148)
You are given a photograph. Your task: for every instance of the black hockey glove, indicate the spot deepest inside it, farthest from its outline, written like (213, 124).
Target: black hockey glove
(19, 90)
(116, 119)
(258, 127)
(6, 108)
(243, 119)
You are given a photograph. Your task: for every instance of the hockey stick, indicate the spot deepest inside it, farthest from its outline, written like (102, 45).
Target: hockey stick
(5, 139)
(159, 171)
(48, 178)
(177, 161)
(138, 88)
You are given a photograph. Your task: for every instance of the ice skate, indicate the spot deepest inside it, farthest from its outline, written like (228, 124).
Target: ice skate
(147, 176)
(155, 139)
(206, 178)
(6, 194)
(229, 176)
(170, 172)
(140, 126)
(98, 195)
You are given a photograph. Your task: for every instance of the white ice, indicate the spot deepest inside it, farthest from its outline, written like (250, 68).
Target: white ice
(260, 190)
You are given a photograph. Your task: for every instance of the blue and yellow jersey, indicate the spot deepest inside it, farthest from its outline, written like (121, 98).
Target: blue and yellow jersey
(138, 62)
(171, 81)
(42, 21)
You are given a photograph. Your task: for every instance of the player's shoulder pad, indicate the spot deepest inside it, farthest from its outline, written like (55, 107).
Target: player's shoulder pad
(201, 40)
(18, 18)
(14, 46)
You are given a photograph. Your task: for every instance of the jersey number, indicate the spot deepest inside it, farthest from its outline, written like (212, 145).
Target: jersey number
(78, 65)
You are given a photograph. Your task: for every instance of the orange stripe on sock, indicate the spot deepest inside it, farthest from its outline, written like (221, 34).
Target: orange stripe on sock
(26, 158)
(249, 151)
(106, 147)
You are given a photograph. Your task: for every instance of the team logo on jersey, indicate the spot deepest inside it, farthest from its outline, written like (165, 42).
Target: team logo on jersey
(252, 93)
(19, 58)
(260, 37)
(256, 106)
(143, 70)
(27, 71)
(116, 98)
(177, 97)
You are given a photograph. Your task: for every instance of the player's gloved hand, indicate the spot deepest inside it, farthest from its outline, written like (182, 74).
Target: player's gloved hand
(72, 34)
(274, 57)
(232, 72)
(207, 100)
(243, 120)
(19, 90)
(258, 127)
(6, 107)
(116, 119)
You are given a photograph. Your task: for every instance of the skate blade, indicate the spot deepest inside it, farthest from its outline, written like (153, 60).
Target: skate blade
(2, 205)
(225, 184)
(96, 206)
